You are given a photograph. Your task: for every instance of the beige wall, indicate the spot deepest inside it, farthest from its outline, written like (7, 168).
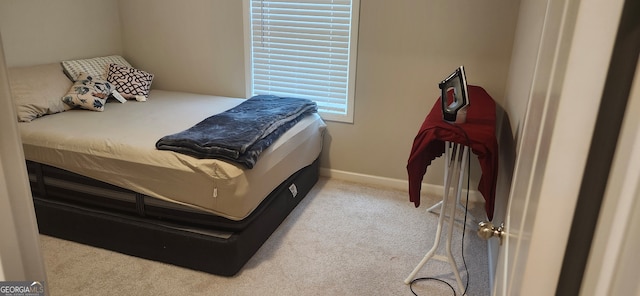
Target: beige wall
(406, 47)
(36, 32)
(194, 45)
(403, 52)
(198, 45)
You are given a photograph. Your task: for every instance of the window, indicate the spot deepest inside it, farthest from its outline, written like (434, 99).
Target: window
(306, 49)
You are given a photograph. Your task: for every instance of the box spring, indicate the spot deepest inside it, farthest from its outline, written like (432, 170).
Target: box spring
(80, 209)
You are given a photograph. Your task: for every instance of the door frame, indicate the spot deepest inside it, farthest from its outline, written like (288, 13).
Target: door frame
(531, 259)
(621, 75)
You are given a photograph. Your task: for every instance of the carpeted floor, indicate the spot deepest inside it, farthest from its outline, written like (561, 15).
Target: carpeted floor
(343, 239)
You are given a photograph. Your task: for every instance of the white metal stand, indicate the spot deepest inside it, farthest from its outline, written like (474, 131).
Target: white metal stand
(459, 205)
(455, 167)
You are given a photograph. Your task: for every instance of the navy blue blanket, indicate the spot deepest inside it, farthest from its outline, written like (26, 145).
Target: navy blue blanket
(241, 133)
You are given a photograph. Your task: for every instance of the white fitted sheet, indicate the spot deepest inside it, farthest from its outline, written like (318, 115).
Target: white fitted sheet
(117, 146)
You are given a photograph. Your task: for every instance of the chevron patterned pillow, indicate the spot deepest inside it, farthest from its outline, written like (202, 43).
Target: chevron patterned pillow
(131, 83)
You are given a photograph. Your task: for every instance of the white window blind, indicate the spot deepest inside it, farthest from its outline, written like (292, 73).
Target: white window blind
(305, 49)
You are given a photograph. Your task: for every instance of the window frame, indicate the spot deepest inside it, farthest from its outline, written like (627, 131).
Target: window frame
(352, 61)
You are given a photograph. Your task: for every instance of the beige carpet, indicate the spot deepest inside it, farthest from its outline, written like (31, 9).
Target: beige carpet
(343, 239)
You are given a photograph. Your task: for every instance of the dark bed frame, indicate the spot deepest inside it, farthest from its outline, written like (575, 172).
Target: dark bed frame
(76, 208)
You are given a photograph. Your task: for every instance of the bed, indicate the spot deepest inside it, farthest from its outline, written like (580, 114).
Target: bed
(97, 178)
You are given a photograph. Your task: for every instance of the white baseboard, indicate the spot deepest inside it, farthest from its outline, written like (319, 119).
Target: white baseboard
(429, 189)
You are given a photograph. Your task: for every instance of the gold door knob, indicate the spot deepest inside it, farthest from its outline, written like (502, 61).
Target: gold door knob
(487, 230)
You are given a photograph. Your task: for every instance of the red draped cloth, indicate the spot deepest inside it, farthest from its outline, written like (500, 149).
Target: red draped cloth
(478, 133)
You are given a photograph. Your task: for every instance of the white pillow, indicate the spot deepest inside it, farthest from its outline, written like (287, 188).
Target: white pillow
(36, 90)
(94, 67)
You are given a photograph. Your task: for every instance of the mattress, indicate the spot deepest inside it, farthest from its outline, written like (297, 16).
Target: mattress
(217, 249)
(117, 146)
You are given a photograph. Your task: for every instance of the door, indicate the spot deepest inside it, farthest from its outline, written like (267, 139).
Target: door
(20, 255)
(568, 78)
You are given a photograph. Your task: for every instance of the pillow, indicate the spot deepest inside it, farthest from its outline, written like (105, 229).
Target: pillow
(95, 67)
(131, 83)
(36, 90)
(88, 93)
